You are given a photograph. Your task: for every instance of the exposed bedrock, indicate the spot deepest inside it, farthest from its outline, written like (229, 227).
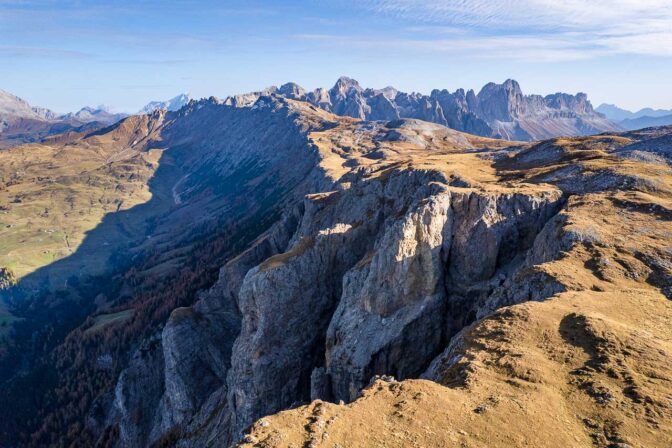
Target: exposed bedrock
(176, 382)
(399, 309)
(371, 280)
(367, 286)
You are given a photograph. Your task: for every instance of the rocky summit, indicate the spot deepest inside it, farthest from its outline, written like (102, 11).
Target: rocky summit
(341, 267)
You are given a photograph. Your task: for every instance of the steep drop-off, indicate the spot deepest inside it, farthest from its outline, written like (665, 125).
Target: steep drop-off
(106, 232)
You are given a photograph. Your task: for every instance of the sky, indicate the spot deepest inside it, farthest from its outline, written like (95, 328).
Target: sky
(72, 53)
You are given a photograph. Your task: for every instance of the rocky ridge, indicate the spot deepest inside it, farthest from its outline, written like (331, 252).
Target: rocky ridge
(498, 110)
(170, 105)
(21, 123)
(100, 114)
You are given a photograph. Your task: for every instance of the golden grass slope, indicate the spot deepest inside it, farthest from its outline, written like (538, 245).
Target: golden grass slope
(352, 145)
(52, 194)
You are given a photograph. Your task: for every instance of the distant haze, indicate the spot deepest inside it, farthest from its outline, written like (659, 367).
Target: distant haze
(71, 54)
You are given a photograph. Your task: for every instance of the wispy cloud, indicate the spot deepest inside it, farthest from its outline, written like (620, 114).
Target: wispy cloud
(147, 61)
(526, 13)
(552, 29)
(42, 53)
(513, 47)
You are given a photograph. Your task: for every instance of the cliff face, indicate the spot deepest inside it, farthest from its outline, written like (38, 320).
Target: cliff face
(376, 211)
(419, 238)
(364, 288)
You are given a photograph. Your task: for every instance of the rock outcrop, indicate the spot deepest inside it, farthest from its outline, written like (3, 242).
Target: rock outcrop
(365, 288)
(371, 277)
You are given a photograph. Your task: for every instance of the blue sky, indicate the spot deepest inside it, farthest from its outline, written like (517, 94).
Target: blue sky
(68, 54)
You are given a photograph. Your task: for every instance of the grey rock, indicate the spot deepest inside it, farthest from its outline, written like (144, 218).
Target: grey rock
(371, 282)
(292, 90)
(382, 108)
(376, 277)
(320, 389)
(498, 110)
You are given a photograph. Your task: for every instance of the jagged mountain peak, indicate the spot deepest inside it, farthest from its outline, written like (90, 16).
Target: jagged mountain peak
(613, 112)
(172, 104)
(89, 114)
(346, 80)
(45, 113)
(502, 102)
(344, 85)
(292, 90)
(510, 85)
(564, 101)
(498, 110)
(389, 92)
(12, 105)
(92, 110)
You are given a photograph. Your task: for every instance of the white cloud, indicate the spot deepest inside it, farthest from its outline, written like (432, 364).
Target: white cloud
(551, 29)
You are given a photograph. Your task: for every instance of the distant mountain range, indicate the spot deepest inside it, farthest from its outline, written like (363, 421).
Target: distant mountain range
(615, 113)
(101, 114)
(498, 110)
(645, 122)
(643, 118)
(22, 123)
(13, 107)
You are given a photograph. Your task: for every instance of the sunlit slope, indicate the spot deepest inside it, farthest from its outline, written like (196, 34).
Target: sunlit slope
(53, 194)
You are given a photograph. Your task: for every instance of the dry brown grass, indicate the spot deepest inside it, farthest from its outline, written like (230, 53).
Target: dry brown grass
(52, 195)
